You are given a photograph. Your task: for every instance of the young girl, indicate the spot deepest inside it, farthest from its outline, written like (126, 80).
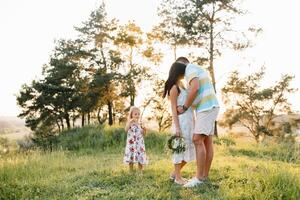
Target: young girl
(135, 146)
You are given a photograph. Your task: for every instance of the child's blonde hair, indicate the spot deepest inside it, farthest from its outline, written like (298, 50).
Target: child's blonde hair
(132, 108)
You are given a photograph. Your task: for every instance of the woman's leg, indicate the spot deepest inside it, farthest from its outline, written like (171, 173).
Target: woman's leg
(177, 173)
(178, 177)
(182, 164)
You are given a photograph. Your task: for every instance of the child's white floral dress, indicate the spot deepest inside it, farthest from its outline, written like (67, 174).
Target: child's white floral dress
(135, 146)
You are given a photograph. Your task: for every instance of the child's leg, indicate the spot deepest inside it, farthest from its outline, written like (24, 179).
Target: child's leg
(130, 166)
(140, 166)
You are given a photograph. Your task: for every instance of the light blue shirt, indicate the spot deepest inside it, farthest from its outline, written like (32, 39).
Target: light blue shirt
(206, 98)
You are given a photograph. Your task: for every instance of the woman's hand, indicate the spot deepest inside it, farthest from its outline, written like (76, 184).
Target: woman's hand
(180, 110)
(178, 132)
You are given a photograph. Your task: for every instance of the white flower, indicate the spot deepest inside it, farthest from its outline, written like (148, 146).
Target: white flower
(176, 143)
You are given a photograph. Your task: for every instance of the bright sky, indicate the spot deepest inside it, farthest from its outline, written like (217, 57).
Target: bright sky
(29, 28)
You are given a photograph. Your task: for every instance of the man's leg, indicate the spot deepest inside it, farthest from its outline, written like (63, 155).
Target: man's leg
(198, 140)
(208, 142)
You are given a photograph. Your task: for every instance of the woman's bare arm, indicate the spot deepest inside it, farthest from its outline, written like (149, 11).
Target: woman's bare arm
(173, 99)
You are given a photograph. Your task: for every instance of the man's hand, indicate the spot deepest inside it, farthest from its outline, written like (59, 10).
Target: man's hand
(180, 110)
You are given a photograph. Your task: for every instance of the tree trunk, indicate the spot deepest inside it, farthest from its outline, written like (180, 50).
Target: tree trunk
(62, 123)
(82, 120)
(110, 117)
(73, 120)
(211, 56)
(257, 138)
(211, 63)
(98, 115)
(58, 126)
(175, 52)
(89, 118)
(67, 118)
(114, 115)
(132, 100)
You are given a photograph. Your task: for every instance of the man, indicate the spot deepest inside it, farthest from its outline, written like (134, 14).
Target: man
(201, 95)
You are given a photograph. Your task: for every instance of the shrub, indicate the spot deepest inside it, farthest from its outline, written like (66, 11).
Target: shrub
(26, 144)
(4, 146)
(227, 141)
(94, 136)
(156, 141)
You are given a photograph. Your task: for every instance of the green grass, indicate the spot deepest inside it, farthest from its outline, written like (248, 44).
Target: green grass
(74, 170)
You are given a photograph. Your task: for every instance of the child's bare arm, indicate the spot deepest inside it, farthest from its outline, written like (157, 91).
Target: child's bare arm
(128, 125)
(144, 130)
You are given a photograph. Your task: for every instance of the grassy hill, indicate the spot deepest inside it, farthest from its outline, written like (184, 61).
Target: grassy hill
(87, 164)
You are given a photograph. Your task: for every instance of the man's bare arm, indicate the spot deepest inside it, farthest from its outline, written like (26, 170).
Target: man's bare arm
(193, 90)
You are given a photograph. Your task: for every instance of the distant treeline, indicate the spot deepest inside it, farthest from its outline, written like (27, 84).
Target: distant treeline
(97, 76)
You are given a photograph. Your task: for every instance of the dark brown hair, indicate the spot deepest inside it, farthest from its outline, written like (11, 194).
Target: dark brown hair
(176, 72)
(184, 59)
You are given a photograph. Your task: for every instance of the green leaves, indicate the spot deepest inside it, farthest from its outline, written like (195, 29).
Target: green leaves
(90, 76)
(253, 106)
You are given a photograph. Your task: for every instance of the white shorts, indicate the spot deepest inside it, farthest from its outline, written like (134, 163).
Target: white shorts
(205, 121)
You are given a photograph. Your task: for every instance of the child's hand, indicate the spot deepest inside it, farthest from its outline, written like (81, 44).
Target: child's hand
(144, 130)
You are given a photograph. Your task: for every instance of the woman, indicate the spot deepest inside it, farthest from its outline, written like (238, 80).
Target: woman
(182, 124)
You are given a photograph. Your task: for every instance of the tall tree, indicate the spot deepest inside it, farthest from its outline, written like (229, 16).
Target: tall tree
(130, 39)
(169, 30)
(159, 106)
(253, 106)
(99, 31)
(208, 26)
(52, 99)
(73, 53)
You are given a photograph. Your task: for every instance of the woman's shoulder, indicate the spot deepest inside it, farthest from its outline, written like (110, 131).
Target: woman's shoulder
(174, 90)
(175, 86)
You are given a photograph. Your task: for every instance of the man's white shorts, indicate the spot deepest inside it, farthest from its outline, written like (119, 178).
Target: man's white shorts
(205, 121)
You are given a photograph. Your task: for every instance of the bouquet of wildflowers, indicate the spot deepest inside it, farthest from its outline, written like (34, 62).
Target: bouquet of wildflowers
(176, 144)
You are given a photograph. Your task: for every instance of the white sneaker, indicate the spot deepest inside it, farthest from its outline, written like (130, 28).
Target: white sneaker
(193, 182)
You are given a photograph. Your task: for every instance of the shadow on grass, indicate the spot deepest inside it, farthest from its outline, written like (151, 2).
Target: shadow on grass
(152, 184)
